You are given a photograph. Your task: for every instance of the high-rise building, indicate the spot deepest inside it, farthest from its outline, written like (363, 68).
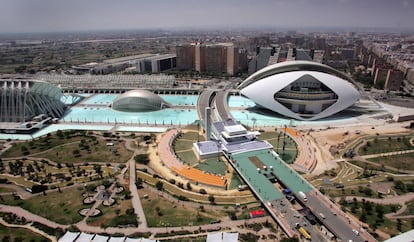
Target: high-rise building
(394, 80)
(186, 57)
(213, 58)
(319, 43)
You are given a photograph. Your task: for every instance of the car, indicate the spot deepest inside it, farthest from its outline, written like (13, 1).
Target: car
(356, 232)
(339, 185)
(290, 198)
(322, 215)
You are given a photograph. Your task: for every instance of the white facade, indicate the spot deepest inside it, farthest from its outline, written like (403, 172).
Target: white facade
(300, 94)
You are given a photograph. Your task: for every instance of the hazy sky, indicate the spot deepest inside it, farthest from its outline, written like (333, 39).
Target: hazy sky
(68, 15)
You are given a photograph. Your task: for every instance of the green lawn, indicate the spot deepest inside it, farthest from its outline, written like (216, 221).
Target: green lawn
(99, 152)
(18, 180)
(192, 136)
(6, 189)
(367, 166)
(402, 162)
(59, 207)
(114, 215)
(235, 181)
(213, 166)
(291, 150)
(174, 189)
(385, 144)
(181, 145)
(410, 209)
(60, 149)
(370, 215)
(172, 213)
(19, 234)
(188, 157)
(41, 144)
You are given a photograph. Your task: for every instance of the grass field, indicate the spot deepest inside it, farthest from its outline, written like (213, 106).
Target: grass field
(235, 181)
(173, 189)
(402, 162)
(373, 167)
(18, 180)
(110, 215)
(61, 149)
(212, 166)
(188, 157)
(40, 144)
(192, 136)
(99, 153)
(183, 145)
(59, 207)
(372, 218)
(385, 144)
(291, 151)
(19, 234)
(6, 189)
(161, 212)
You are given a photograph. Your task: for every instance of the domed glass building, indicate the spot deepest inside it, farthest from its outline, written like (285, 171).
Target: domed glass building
(21, 100)
(302, 90)
(139, 101)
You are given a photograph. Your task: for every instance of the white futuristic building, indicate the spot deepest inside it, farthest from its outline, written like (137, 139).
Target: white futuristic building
(302, 90)
(139, 101)
(23, 99)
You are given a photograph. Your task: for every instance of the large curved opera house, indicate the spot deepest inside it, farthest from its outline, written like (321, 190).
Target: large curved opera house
(302, 90)
(23, 99)
(139, 101)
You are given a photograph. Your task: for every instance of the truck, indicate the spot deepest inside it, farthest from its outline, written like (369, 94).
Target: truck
(303, 196)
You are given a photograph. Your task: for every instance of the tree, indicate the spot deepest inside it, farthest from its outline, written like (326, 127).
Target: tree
(142, 159)
(24, 150)
(159, 185)
(76, 153)
(138, 183)
(232, 215)
(189, 186)
(20, 69)
(380, 211)
(399, 185)
(211, 199)
(368, 191)
(98, 169)
(363, 217)
(59, 134)
(399, 224)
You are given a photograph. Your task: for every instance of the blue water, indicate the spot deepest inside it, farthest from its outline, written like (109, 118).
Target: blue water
(239, 101)
(109, 116)
(105, 118)
(105, 99)
(70, 100)
(188, 100)
(259, 120)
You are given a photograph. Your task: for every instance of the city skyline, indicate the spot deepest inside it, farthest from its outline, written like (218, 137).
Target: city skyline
(23, 16)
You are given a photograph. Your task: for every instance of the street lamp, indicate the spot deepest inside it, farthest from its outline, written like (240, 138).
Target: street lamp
(218, 150)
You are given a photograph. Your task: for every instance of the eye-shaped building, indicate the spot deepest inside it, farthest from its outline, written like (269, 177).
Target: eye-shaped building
(302, 90)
